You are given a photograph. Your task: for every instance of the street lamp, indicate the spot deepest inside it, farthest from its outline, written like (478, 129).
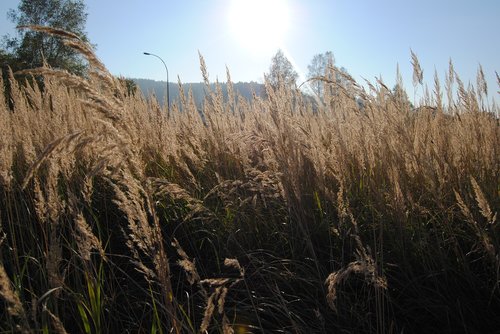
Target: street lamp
(166, 68)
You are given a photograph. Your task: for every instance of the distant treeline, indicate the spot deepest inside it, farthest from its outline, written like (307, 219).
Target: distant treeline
(159, 89)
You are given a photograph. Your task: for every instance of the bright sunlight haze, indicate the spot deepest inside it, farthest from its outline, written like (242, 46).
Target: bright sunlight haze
(259, 26)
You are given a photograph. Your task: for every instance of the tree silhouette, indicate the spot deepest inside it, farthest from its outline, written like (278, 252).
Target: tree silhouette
(31, 48)
(318, 68)
(281, 71)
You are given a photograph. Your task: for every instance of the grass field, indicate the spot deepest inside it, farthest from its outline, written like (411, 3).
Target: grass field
(270, 215)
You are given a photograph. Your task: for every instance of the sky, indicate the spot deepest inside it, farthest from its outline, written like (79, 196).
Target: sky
(369, 38)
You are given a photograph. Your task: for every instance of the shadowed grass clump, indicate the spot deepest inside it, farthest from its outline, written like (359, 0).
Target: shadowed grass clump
(358, 213)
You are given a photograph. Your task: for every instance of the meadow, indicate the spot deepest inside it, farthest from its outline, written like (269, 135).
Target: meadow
(355, 214)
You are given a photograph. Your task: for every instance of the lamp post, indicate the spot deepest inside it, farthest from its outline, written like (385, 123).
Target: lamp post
(166, 68)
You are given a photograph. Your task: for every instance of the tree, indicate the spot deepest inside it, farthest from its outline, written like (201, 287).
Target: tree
(323, 66)
(281, 71)
(400, 96)
(7, 61)
(130, 85)
(318, 68)
(399, 93)
(343, 78)
(32, 48)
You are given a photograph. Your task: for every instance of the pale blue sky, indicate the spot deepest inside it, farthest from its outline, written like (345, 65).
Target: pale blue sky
(367, 37)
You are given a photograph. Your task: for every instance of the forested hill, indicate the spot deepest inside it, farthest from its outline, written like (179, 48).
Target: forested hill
(159, 88)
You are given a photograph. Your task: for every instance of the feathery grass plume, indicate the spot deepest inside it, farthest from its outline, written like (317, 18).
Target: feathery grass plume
(482, 86)
(262, 184)
(219, 94)
(399, 85)
(367, 268)
(106, 103)
(226, 326)
(14, 307)
(163, 188)
(222, 300)
(103, 104)
(86, 239)
(129, 196)
(451, 72)
(50, 31)
(418, 74)
(363, 265)
(482, 202)
(449, 81)
(56, 322)
(145, 234)
(6, 149)
(204, 73)
(88, 53)
(481, 234)
(234, 263)
(463, 94)
(182, 95)
(187, 264)
(72, 40)
(209, 310)
(438, 94)
(98, 70)
(17, 100)
(498, 80)
(217, 298)
(231, 99)
(53, 148)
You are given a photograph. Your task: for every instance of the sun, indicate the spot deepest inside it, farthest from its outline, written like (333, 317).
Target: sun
(260, 26)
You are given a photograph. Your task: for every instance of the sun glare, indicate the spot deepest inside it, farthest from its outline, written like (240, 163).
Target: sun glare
(259, 25)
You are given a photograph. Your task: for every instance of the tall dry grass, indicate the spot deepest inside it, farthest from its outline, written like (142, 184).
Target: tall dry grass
(360, 213)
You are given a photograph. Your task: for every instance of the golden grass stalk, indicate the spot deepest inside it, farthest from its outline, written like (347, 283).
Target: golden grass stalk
(482, 201)
(86, 239)
(14, 307)
(209, 310)
(482, 86)
(364, 264)
(259, 172)
(187, 264)
(418, 73)
(56, 322)
(217, 298)
(481, 233)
